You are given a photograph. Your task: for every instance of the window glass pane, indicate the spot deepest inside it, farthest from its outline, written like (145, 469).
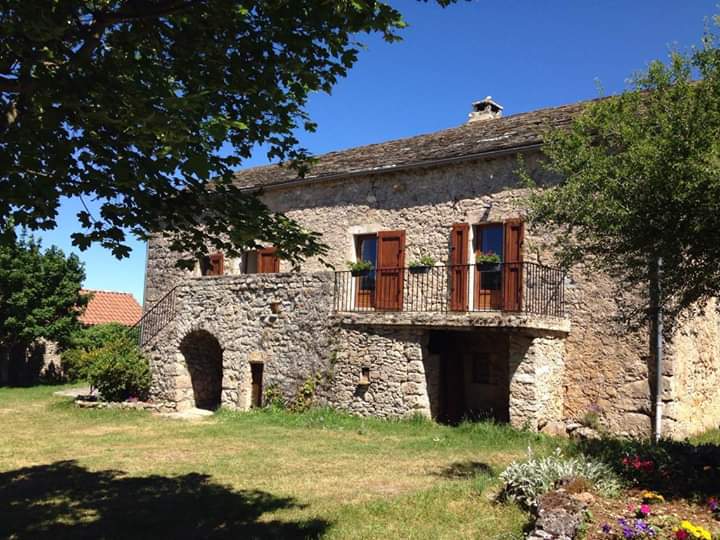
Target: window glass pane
(367, 251)
(490, 281)
(492, 240)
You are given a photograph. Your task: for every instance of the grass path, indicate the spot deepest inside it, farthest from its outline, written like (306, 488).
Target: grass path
(71, 473)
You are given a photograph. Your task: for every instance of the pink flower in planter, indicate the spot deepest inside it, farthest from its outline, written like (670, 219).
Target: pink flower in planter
(645, 510)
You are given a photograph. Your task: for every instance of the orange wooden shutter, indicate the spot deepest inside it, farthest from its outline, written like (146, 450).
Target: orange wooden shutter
(390, 270)
(459, 267)
(514, 236)
(268, 261)
(217, 264)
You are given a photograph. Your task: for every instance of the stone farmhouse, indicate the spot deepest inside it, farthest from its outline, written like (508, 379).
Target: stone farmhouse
(512, 338)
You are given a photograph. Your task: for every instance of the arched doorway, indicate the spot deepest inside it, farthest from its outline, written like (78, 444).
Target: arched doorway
(203, 357)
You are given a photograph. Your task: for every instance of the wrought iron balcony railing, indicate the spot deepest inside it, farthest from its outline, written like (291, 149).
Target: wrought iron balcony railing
(513, 287)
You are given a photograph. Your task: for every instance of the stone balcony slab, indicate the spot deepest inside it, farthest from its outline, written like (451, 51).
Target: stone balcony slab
(544, 324)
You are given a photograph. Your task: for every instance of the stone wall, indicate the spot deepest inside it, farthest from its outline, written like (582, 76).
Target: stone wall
(606, 366)
(691, 377)
(280, 320)
(23, 366)
(397, 382)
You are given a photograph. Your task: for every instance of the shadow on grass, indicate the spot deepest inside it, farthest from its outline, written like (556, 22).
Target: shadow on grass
(463, 470)
(65, 500)
(676, 468)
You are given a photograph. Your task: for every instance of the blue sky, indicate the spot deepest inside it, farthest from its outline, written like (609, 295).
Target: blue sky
(526, 54)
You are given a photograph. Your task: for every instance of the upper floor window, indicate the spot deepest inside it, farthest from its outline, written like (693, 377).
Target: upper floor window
(489, 239)
(212, 265)
(261, 261)
(382, 287)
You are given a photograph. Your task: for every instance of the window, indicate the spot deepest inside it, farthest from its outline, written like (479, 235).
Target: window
(385, 251)
(261, 261)
(212, 265)
(490, 239)
(366, 250)
(250, 262)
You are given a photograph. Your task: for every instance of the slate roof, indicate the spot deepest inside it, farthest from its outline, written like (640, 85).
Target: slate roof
(466, 141)
(108, 306)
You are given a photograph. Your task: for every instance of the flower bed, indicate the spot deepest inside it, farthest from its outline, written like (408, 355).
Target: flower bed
(643, 514)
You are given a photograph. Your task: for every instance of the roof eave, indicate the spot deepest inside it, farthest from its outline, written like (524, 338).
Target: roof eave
(489, 154)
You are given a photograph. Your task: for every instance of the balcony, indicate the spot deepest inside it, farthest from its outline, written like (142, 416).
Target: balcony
(505, 294)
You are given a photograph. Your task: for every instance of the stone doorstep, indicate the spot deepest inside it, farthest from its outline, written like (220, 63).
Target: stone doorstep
(187, 414)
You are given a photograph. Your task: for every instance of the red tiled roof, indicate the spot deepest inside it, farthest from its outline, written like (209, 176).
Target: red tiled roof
(108, 306)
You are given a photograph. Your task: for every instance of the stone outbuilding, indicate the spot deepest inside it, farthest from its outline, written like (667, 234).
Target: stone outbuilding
(461, 313)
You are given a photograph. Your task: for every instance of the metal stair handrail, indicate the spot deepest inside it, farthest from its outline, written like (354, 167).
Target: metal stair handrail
(156, 318)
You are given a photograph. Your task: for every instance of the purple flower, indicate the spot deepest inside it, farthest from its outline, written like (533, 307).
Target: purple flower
(606, 529)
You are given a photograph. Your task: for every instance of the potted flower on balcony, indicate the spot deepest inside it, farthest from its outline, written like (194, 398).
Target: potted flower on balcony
(360, 268)
(488, 262)
(422, 265)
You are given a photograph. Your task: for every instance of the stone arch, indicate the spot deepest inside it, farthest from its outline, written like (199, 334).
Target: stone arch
(204, 360)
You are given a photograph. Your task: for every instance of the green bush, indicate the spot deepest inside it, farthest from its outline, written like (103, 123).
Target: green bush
(524, 482)
(75, 363)
(94, 337)
(119, 371)
(76, 359)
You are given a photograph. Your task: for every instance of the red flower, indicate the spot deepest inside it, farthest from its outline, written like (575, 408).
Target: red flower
(682, 534)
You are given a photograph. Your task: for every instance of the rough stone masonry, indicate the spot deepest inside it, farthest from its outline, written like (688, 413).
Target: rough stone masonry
(557, 369)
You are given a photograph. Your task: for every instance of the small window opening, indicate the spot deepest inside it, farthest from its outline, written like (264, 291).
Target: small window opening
(365, 376)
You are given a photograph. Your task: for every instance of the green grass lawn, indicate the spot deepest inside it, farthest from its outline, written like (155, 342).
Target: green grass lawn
(69, 472)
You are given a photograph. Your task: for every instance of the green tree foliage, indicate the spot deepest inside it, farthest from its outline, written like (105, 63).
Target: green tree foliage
(39, 293)
(641, 180)
(137, 105)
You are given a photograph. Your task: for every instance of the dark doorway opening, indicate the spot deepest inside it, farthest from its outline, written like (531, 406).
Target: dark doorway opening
(256, 372)
(203, 356)
(473, 375)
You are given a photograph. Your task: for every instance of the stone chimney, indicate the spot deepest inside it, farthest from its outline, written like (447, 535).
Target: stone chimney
(485, 109)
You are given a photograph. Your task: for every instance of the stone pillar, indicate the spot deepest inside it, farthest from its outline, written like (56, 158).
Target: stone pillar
(536, 371)
(415, 391)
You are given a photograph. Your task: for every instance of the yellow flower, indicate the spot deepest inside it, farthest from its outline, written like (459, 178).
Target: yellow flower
(695, 530)
(651, 497)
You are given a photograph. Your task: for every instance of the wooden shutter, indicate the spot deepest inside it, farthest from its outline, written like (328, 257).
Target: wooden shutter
(513, 286)
(390, 270)
(459, 266)
(268, 261)
(217, 264)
